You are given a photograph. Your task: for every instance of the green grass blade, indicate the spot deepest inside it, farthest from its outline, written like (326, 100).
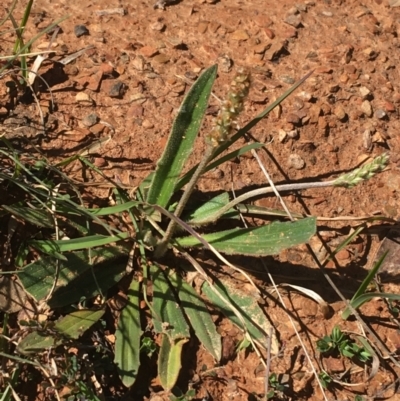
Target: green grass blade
(127, 343)
(27, 45)
(169, 317)
(198, 315)
(169, 361)
(49, 246)
(256, 323)
(180, 143)
(37, 217)
(362, 299)
(364, 285)
(106, 211)
(257, 241)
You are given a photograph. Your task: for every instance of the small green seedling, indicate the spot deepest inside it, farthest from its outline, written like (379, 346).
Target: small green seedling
(275, 385)
(325, 379)
(344, 345)
(149, 347)
(244, 344)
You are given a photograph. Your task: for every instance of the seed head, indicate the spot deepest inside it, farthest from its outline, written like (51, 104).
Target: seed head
(230, 108)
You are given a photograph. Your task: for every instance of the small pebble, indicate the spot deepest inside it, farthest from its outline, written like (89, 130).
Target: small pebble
(90, 119)
(293, 134)
(296, 161)
(327, 13)
(282, 135)
(287, 79)
(80, 30)
(366, 108)
(340, 113)
(113, 88)
(293, 118)
(84, 98)
(305, 96)
(224, 63)
(100, 162)
(270, 33)
(389, 107)
(379, 113)
(364, 92)
(148, 51)
(240, 34)
(161, 59)
(157, 26)
(367, 139)
(293, 20)
(147, 124)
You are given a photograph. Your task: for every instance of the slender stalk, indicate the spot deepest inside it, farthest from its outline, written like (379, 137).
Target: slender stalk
(346, 180)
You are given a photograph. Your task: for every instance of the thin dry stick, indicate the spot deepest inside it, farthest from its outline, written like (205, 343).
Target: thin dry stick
(271, 183)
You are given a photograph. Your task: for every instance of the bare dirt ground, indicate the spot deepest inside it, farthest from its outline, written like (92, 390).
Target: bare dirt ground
(129, 84)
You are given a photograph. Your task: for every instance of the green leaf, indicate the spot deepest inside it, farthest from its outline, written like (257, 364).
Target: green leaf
(76, 323)
(198, 316)
(127, 343)
(95, 281)
(49, 246)
(168, 316)
(106, 211)
(38, 277)
(256, 323)
(257, 241)
(213, 205)
(362, 299)
(169, 361)
(69, 327)
(180, 143)
(38, 217)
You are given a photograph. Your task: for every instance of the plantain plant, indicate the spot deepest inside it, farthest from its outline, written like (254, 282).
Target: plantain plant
(87, 255)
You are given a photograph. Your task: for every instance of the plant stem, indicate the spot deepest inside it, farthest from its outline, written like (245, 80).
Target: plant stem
(163, 244)
(264, 191)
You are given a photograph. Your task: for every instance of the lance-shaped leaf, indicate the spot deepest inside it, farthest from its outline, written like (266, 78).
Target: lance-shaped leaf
(127, 343)
(253, 321)
(181, 139)
(75, 276)
(198, 316)
(38, 217)
(257, 241)
(167, 314)
(210, 207)
(67, 328)
(169, 361)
